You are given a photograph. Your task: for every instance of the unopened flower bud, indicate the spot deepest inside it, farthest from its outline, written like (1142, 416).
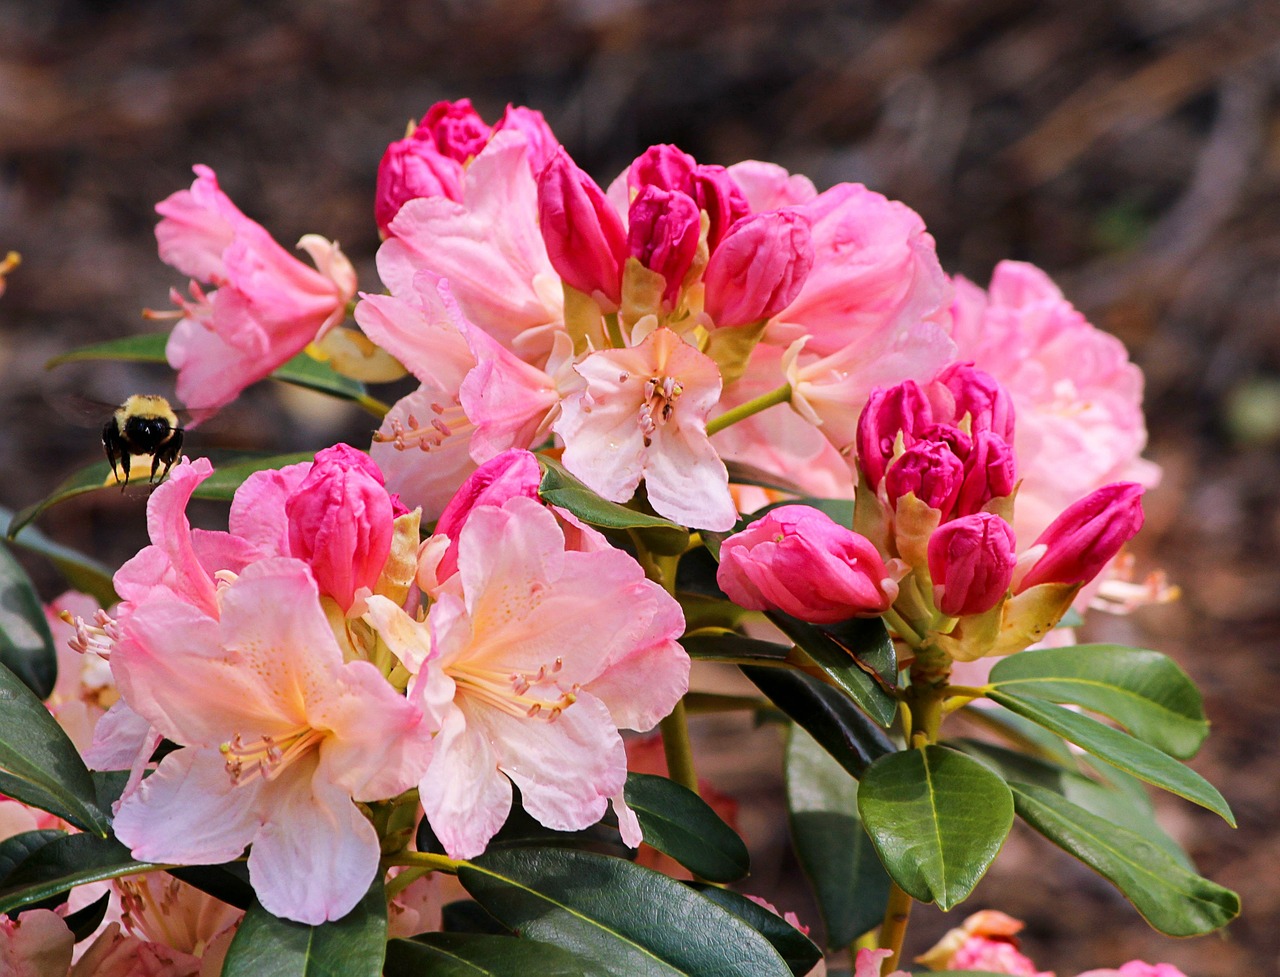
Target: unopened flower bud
(1081, 541)
(795, 559)
(540, 141)
(664, 167)
(989, 473)
(971, 561)
(413, 168)
(663, 235)
(717, 193)
(456, 129)
(930, 471)
(340, 522)
(963, 389)
(502, 477)
(890, 411)
(585, 239)
(759, 268)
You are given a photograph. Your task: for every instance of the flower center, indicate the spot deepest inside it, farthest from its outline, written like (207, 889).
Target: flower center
(445, 421)
(269, 756)
(660, 396)
(519, 694)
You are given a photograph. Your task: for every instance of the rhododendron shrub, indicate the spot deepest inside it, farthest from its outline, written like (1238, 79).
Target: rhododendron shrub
(693, 413)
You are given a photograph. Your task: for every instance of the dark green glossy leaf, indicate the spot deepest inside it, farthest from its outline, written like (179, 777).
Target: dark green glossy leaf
(740, 473)
(730, 647)
(81, 572)
(799, 952)
(83, 922)
(64, 863)
(1023, 734)
(467, 916)
(1171, 898)
(937, 818)
(1119, 749)
(1144, 691)
(828, 714)
(850, 884)
(229, 882)
(839, 651)
(41, 763)
(479, 955)
(353, 946)
(625, 919)
(1119, 806)
(678, 822)
(26, 645)
(560, 488)
(302, 370)
(15, 849)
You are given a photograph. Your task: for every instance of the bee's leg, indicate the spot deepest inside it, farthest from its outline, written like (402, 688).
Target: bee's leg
(111, 443)
(167, 454)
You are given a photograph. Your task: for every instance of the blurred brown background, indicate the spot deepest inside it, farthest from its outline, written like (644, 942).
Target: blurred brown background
(1130, 147)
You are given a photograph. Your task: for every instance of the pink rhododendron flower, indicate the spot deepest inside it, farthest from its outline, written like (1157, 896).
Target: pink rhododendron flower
(986, 940)
(278, 738)
(867, 964)
(585, 238)
(643, 416)
(662, 234)
(971, 561)
(455, 128)
(758, 268)
(1138, 968)
(797, 560)
(266, 307)
(413, 168)
(1078, 398)
(529, 661)
(1088, 533)
(36, 944)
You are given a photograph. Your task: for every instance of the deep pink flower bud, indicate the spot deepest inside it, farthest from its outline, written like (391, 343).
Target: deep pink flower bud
(795, 559)
(505, 476)
(412, 168)
(971, 562)
(585, 239)
(340, 522)
(456, 129)
(1087, 534)
(759, 268)
(889, 410)
(716, 192)
(663, 235)
(930, 470)
(964, 389)
(664, 167)
(540, 140)
(989, 473)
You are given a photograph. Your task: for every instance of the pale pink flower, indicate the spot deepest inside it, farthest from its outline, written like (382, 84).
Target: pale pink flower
(163, 910)
(643, 415)
(986, 940)
(1078, 398)
(114, 953)
(489, 247)
(36, 944)
(868, 962)
(266, 307)
(529, 661)
(767, 186)
(278, 738)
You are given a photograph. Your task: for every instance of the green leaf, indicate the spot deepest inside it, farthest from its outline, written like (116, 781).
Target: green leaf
(625, 919)
(560, 488)
(850, 884)
(740, 473)
(731, 647)
(937, 818)
(83, 922)
(1144, 691)
(91, 478)
(15, 849)
(26, 644)
(681, 824)
(858, 656)
(831, 718)
(64, 863)
(81, 572)
(228, 476)
(1171, 898)
(302, 370)
(42, 764)
(482, 955)
(353, 946)
(1120, 750)
(800, 953)
(228, 882)
(1119, 806)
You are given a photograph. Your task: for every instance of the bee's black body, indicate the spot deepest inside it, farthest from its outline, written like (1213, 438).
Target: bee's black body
(142, 425)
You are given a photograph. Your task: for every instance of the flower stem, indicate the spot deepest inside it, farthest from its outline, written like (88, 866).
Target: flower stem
(678, 748)
(753, 406)
(423, 859)
(905, 630)
(894, 928)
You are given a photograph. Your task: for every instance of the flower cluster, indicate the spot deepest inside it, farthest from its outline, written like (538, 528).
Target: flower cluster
(604, 379)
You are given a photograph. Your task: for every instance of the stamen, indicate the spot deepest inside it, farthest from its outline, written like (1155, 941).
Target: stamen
(510, 691)
(268, 756)
(98, 638)
(412, 433)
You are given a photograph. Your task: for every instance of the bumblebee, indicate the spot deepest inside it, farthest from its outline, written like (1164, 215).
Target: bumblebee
(143, 425)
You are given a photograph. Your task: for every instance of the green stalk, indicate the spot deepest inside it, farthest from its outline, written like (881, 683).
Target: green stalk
(893, 930)
(753, 406)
